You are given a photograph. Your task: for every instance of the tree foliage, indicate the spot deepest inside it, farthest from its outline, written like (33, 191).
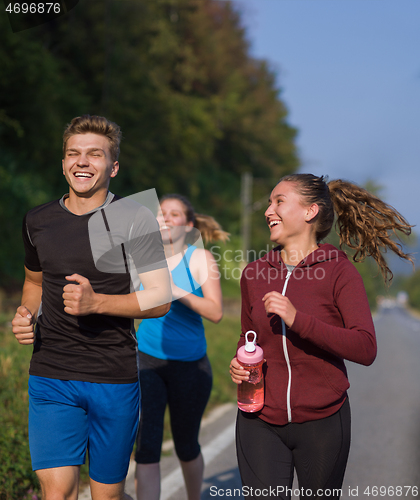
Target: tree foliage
(195, 108)
(411, 285)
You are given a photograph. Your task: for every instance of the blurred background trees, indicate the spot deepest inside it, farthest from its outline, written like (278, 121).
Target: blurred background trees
(196, 110)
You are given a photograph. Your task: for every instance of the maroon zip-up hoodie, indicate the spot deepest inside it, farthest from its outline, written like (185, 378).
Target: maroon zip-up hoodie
(305, 375)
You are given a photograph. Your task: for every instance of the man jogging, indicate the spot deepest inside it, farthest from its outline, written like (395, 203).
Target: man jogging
(83, 381)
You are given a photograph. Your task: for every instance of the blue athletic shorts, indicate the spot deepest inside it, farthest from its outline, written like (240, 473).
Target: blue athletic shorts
(67, 417)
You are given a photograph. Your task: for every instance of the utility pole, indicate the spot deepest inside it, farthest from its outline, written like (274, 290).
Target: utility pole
(248, 208)
(246, 201)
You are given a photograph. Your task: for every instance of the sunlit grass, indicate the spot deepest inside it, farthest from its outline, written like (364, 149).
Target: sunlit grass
(16, 477)
(16, 472)
(222, 339)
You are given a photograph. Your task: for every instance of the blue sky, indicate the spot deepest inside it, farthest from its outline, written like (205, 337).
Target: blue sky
(349, 73)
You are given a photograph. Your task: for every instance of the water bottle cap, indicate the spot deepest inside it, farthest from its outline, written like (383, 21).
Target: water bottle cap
(250, 344)
(250, 353)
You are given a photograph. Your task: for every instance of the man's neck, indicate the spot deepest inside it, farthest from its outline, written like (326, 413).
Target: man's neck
(80, 205)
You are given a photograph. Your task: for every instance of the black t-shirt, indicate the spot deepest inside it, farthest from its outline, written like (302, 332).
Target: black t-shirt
(92, 348)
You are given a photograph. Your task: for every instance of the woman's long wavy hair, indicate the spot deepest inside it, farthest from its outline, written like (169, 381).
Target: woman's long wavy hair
(364, 222)
(209, 228)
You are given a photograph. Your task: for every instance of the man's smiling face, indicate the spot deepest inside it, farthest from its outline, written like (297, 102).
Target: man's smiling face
(88, 165)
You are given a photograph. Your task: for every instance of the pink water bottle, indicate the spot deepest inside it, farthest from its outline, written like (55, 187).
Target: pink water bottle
(251, 393)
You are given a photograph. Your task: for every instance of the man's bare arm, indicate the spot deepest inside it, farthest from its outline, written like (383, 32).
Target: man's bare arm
(153, 301)
(26, 314)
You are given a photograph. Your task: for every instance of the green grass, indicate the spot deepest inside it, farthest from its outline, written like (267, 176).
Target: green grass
(17, 481)
(221, 348)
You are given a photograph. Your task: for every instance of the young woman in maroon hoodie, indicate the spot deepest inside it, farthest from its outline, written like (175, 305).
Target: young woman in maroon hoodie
(307, 303)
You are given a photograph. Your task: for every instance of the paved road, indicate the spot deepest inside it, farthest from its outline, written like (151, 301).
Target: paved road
(217, 444)
(385, 401)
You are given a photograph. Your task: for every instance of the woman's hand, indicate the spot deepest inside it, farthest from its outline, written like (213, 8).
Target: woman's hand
(238, 372)
(205, 271)
(276, 303)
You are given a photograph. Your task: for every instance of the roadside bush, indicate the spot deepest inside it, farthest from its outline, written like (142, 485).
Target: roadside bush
(221, 348)
(17, 481)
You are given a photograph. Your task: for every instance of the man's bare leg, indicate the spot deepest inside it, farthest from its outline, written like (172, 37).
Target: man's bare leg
(59, 483)
(101, 491)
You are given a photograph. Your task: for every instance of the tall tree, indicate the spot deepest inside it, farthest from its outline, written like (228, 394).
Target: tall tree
(195, 108)
(34, 99)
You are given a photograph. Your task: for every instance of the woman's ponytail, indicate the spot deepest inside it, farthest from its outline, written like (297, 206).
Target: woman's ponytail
(209, 228)
(367, 224)
(363, 221)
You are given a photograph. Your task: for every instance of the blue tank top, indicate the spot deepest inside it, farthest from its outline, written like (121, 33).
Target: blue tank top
(179, 335)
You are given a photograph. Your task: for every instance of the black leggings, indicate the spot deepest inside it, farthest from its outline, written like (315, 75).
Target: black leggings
(185, 386)
(267, 455)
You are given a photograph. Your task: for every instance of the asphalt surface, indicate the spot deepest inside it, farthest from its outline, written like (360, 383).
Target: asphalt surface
(385, 401)
(384, 459)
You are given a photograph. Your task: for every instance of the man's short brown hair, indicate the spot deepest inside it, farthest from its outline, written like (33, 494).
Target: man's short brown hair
(86, 124)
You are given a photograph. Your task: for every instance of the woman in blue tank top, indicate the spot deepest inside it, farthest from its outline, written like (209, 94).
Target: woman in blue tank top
(174, 368)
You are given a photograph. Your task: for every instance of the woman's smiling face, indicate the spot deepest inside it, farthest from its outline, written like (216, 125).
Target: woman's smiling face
(287, 214)
(173, 220)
